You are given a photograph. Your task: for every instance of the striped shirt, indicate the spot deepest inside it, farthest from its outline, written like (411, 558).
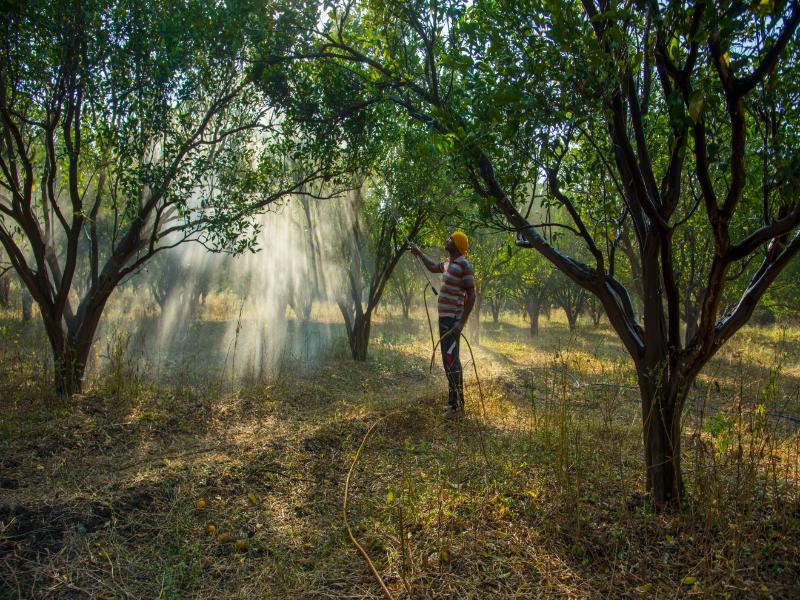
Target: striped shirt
(457, 278)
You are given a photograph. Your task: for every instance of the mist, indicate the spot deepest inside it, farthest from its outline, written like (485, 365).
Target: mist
(238, 316)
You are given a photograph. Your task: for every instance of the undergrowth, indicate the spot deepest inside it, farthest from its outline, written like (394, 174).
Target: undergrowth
(168, 483)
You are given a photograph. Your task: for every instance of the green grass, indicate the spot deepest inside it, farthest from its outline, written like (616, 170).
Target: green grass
(540, 495)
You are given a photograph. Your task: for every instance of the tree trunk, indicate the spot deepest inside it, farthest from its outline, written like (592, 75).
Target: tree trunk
(691, 316)
(359, 336)
(5, 288)
(305, 312)
(405, 304)
(533, 307)
(69, 365)
(495, 306)
(572, 306)
(301, 307)
(572, 318)
(661, 409)
(27, 306)
(72, 343)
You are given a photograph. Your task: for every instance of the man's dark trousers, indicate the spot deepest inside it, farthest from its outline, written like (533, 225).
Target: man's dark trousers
(452, 364)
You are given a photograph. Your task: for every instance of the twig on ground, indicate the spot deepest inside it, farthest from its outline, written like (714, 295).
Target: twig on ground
(358, 546)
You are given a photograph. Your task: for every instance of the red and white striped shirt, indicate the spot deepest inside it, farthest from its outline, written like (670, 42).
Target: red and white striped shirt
(457, 278)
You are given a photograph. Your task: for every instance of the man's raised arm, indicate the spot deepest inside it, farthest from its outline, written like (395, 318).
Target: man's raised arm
(432, 265)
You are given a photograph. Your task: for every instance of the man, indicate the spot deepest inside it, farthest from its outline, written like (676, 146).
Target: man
(456, 299)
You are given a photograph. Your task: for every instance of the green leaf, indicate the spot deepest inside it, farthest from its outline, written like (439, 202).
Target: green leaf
(508, 95)
(764, 7)
(696, 102)
(673, 51)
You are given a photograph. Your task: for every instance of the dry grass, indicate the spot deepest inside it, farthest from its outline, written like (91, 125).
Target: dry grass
(99, 493)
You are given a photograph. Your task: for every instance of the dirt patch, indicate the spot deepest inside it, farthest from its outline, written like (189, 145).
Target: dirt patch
(326, 440)
(43, 528)
(40, 529)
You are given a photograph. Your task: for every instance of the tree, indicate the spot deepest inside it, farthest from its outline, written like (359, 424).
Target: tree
(127, 129)
(173, 278)
(570, 297)
(489, 254)
(164, 279)
(669, 96)
(595, 310)
(393, 207)
(528, 281)
(536, 296)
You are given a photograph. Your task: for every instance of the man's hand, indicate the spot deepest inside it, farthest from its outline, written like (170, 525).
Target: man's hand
(414, 249)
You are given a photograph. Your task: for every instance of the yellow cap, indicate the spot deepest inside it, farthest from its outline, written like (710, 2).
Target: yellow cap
(460, 240)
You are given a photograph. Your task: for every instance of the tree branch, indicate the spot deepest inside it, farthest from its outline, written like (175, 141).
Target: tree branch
(746, 84)
(766, 274)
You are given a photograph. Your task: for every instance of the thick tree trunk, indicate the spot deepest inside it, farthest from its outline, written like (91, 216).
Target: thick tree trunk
(572, 318)
(69, 365)
(406, 306)
(661, 410)
(72, 344)
(359, 336)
